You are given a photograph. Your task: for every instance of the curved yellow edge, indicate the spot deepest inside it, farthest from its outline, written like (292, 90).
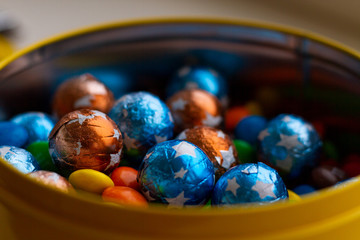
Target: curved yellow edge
(163, 210)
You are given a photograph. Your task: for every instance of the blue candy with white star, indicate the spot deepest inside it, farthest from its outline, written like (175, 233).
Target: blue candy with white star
(199, 77)
(37, 124)
(290, 144)
(21, 159)
(249, 183)
(177, 173)
(143, 119)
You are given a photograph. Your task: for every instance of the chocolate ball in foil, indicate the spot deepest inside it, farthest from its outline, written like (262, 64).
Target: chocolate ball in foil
(289, 144)
(249, 183)
(37, 124)
(144, 120)
(176, 173)
(53, 180)
(195, 107)
(85, 139)
(216, 144)
(199, 77)
(21, 159)
(82, 92)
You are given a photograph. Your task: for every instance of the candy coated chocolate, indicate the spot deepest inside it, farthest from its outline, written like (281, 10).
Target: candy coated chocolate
(85, 139)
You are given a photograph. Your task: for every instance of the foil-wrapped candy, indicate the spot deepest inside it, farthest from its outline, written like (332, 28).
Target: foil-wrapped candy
(249, 183)
(176, 173)
(19, 158)
(289, 144)
(82, 92)
(53, 180)
(216, 144)
(195, 107)
(85, 139)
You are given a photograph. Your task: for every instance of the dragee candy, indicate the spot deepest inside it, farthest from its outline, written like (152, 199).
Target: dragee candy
(90, 180)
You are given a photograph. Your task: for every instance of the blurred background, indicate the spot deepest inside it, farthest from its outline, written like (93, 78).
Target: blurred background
(35, 20)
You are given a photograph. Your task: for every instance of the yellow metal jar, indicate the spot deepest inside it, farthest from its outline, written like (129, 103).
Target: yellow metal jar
(34, 211)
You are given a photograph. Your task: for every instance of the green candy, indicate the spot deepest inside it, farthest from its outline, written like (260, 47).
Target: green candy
(40, 150)
(207, 205)
(246, 152)
(330, 150)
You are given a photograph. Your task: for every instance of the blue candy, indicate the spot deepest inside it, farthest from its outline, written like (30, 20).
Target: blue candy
(13, 134)
(249, 128)
(199, 77)
(248, 183)
(177, 173)
(19, 158)
(304, 189)
(37, 124)
(289, 144)
(144, 120)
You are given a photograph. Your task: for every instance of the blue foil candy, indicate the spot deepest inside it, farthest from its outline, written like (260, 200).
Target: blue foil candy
(177, 173)
(249, 183)
(19, 158)
(199, 77)
(13, 134)
(249, 128)
(38, 125)
(143, 119)
(289, 144)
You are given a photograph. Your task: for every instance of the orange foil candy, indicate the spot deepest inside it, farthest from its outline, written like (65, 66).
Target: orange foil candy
(216, 144)
(85, 139)
(194, 107)
(82, 92)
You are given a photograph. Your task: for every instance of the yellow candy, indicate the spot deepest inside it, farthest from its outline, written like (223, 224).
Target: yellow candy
(293, 197)
(90, 180)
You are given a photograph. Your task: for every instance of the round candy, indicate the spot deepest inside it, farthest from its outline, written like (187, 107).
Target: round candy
(13, 134)
(40, 150)
(85, 139)
(216, 144)
(177, 173)
(195, 107)
(19, 158)
(289, 144)
(249, 182)
(197, 77)
(144, 120)
(52, 179)
(90, 180)
(37, 124)
(326, 176)
(304, 189)
(246, 152)
(249, 128)
(233, 116)
(125, 176)
(81, 92)
(124, 196)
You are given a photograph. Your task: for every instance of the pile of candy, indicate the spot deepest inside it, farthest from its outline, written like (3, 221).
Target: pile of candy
(191, 150)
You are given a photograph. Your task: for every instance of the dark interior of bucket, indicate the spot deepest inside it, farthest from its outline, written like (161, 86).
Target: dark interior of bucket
(284, 73)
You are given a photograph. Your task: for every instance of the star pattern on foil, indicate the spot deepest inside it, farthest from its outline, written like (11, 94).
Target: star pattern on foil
(148, 155)
(309, 127)
(129, 142)
(180, 173)
(84, 101)
(221, 134)
(285, 164)
(289, 142)
(184, 148)
(264, 189)
(171, 119)
(211, 120)
(82, 118)
(114, 159)
(228, 157)
(78, 148)
(232, 186)
(179, 104)
(286, 119)
(182, 135)
(148, 196)
(4, 150)
(249, 170)
(116, 134)
(218, 159)
(160, 139)
(177, 201)
(99, 114)
(263, 134)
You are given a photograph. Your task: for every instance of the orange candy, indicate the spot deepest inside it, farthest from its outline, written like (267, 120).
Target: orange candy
(125, 176)
(124, 196)
(234, 115)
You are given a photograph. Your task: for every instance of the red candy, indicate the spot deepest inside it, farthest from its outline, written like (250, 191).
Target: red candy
(234, 115)
(125, 176)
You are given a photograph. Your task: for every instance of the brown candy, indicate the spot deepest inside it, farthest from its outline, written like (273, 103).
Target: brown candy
(216, 144)
(82, 92)
(52, 179)
(195, 107)
(326, 176)
(86, 139)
